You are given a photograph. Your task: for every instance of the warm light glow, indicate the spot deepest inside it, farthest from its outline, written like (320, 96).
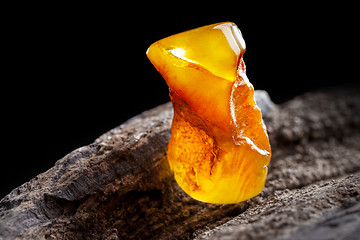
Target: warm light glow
(180, 53)
(219, 148)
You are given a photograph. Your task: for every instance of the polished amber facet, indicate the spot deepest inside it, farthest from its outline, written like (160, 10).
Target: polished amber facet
(219, 148)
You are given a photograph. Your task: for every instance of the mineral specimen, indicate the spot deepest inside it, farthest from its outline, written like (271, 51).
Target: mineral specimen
(219, 148)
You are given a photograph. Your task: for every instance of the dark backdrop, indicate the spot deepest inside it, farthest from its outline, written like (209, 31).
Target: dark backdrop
(75, 72)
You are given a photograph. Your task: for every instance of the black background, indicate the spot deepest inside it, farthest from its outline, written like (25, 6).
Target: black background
(71, 73)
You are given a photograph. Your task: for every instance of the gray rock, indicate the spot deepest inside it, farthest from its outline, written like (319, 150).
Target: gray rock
(120, 186)
(342, 223)
(298, 214)
(264, 102)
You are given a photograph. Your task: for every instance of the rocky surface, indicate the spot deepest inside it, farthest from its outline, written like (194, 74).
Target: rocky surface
(120, 187)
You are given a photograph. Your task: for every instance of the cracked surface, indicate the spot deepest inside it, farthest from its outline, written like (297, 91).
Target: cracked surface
(120, 186)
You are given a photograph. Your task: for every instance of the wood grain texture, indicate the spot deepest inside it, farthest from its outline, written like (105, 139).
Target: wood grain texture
(120, 186)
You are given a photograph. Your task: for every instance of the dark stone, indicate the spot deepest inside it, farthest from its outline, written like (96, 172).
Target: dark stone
(120, 186)
(298, 214)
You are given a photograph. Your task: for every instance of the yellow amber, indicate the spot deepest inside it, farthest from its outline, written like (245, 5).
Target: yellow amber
(219, 148)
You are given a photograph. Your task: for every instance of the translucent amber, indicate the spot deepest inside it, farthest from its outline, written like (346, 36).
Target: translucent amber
(219, 148)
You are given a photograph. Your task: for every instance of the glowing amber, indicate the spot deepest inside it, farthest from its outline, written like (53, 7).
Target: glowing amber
(219, 149)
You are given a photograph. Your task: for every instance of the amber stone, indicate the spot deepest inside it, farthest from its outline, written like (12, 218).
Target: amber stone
(219, 148)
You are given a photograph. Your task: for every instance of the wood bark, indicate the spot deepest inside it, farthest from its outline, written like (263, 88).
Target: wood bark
(121, 187)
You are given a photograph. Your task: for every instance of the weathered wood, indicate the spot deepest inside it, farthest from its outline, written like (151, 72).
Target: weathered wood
(299, 214)
(120, 187)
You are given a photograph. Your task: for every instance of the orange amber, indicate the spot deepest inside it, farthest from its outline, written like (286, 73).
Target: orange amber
(219, 148)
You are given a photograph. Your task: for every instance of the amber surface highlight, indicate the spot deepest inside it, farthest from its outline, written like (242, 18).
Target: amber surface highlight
(219, 148)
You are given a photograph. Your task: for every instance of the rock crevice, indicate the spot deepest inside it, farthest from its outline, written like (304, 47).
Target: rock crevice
(121, 187)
